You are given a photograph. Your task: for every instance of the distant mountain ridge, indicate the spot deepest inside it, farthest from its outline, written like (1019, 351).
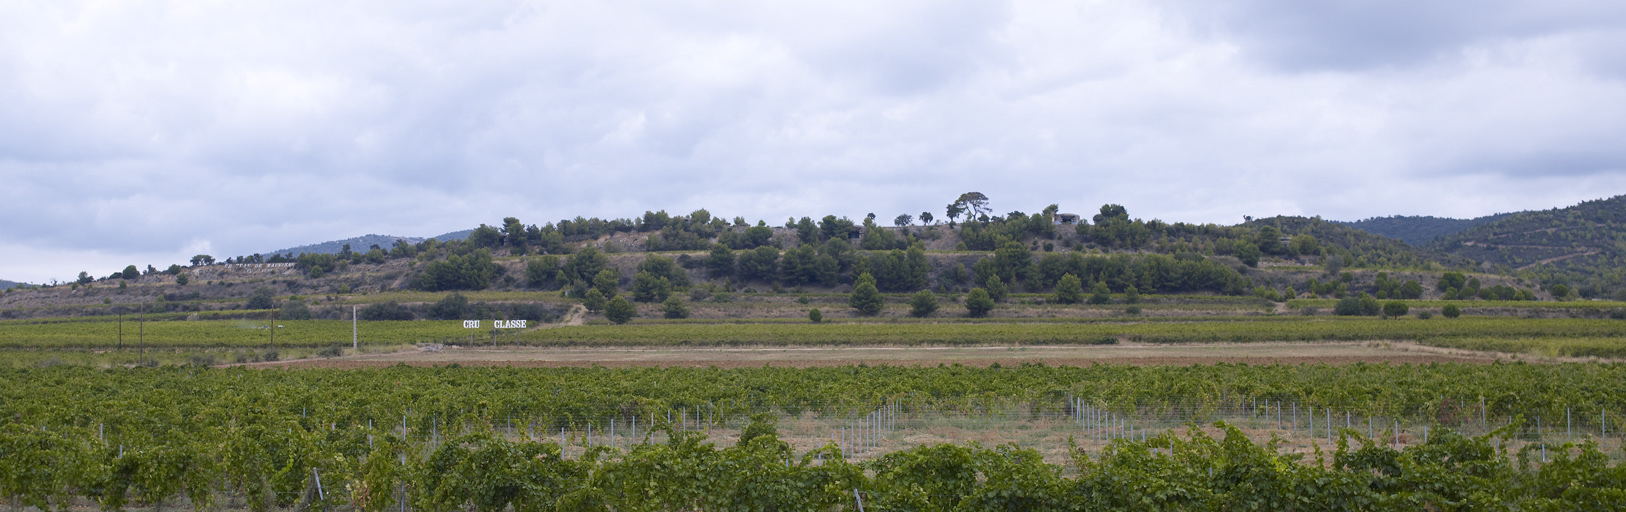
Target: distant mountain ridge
(455, 235)
(6, 285)
(1420, 230)
(361, 243)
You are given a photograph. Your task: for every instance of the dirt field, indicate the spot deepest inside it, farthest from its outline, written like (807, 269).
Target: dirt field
(1137, 354)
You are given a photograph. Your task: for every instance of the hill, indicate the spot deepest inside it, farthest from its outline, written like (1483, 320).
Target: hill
(1419, 230)
(4, 284)
(1582, 246)
(455, 235)
(1358, 247)
(360, 243)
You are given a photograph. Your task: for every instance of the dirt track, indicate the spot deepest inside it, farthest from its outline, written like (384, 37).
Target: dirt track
(1252, 353)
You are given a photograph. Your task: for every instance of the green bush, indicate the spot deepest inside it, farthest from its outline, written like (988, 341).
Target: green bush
(1451, 311)
(815, 315)
(1369, 305)
(594, 301)
(978, 303)
(620, 311)
(1100, 294)
(1395, 309)
(1347, 306)
(922, 304)
(674, 308)
(996, 288)
(865, 298)
(1069, 290)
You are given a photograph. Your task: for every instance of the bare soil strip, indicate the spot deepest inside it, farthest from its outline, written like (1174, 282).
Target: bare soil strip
(1136, 354)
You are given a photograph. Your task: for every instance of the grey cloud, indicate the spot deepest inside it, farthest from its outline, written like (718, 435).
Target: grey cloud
(147, 130)
(1357, 35)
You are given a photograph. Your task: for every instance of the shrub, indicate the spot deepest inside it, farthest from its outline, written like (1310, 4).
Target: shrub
(1132, 295)
(922, 304)
(996, 288)
(260, 299)
(1099, 294)
(1369, 305)
(1424, 315)
(1069, 290)
(620, 311)
(607, 282)
(815, 315)
(1132, 310)
(385, 311)
(450, 307)
(331, 351)
(978, 303)
(762, 425)
(594, 301)
(1395, 308)
(1347, 306)
(1451, 311)
(673, 308)
(648, 287)
(865, 298)
(295, 309)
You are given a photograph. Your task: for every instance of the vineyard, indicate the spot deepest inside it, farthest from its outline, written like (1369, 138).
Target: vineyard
(104, 333)
(1559, 336)
(1240, 330)
(448, 439)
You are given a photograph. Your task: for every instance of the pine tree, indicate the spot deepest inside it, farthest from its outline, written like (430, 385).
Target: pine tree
(922, 304)
(1069, 290)
(619, 310)
(608, 282)
(1100, 294)
(674, 308)
(594, 301)
(978, 303)
(865, 298)
(648, 287)
(995, 288)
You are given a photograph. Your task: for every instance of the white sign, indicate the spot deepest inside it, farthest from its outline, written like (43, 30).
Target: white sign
(509, 324)
(471, 324)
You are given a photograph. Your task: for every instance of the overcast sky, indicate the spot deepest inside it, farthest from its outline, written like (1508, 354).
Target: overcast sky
(145, 132)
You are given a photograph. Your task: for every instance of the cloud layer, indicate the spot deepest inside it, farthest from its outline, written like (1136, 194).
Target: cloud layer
(144, 132)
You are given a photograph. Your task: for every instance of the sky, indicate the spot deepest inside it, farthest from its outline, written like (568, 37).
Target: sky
(143, 132)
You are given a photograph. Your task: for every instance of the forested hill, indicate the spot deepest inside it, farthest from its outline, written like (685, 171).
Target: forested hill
(4, 284)
(1419, 230)
(1579, 246)
(1355, 247)
(360, 243)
